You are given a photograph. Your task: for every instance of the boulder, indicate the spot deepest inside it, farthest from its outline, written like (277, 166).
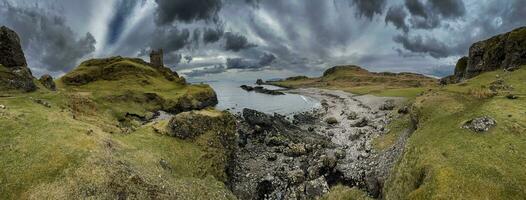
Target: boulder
(14, 73)
(254, 117)
(48, 82)
(480, 124)
(331, 120)
(260, 82)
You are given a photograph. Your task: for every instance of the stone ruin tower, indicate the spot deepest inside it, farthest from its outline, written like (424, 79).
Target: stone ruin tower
(156, 58)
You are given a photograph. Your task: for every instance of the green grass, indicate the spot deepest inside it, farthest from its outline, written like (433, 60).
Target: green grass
(345, 193)
(444, 161)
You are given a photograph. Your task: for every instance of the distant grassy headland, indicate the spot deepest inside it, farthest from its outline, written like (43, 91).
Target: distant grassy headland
(358, 80)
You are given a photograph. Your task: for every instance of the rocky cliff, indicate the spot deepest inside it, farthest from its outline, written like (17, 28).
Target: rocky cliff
(506, 51)
(14, 73)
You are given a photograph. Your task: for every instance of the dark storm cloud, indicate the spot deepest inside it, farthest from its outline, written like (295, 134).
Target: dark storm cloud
(187, 11)
(236, 42)
(396, 15)
(172, 58)
(251, 64)
(47, 41)
(419, 44)
(430, 14)
(211, 35)
(208, 70)
(368, 8)
(170, 38)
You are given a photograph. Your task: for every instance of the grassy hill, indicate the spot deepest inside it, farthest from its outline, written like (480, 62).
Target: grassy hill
(360, 81)
(88, 139)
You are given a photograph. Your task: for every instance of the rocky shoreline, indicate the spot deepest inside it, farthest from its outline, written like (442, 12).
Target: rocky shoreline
(302, 156)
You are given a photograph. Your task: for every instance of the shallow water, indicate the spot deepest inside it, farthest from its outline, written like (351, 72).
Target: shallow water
(232, 98)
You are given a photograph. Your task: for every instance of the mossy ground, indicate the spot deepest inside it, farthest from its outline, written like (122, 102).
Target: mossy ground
(77, 148)
(345, 193)
(444, 161)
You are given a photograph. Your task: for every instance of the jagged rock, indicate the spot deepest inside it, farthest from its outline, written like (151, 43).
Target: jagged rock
(48, 82)
(361, 122)
(505, 51)
(480, 124)
(10, 49)
(14, 73)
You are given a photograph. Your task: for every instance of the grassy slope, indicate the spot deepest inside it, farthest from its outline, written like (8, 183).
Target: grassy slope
(360, 81)
(51, 152)
(443, 161)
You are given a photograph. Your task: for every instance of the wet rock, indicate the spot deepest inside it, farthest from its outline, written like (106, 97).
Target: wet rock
(296, 150)
(47, 81)
(340, 154)
(247, 88)
(316, 188)
(260, 82)
(331, 120)
(387, 105)
(296, 176)
(362, 122)
(480, 124)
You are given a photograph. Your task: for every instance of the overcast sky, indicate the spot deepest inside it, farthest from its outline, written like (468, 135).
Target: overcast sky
(247, 39)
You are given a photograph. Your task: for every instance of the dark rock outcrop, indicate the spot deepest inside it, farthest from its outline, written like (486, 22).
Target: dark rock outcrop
(260, 82)
(14, 73)
(506, 51)
(48, 82)
(260, 89)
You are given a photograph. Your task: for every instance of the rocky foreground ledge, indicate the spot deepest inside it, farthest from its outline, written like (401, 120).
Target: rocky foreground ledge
(300, 158)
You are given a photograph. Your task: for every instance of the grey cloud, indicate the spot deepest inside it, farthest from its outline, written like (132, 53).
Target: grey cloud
(217, 69)
(47, 41)
(170, 38)
(397, 15)
(187, 11)
(368, 8)
(421, 44)
(236, 42)
(267, 59)
(211, 35)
